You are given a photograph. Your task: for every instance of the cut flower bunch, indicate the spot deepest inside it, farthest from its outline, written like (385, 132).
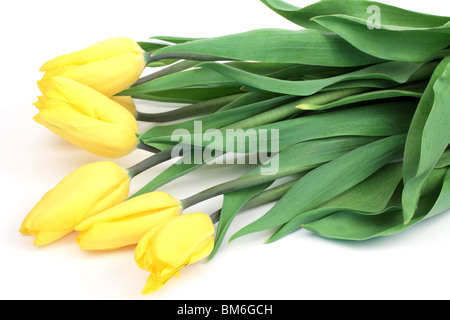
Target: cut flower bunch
(351, 111)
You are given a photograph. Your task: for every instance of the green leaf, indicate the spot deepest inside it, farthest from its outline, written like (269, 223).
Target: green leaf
(443, 202)
(174, 40)
(186, 79)
(188, 95)
(395, 71)
(189, 111)
(200, 77)
(433, 137)
(310, 47)
(368, 197)
(388, 42)
(350, 225)
(163, 133)
(391, 15)
(328, 181)
(414, 140)
(232, 203)
(183, 166)
(151, 46)
(289, 110)
(364, 97)
(307, 155)
(299, 158)
(376, 120)
(271, 194)
(444, 161)
(247, 99)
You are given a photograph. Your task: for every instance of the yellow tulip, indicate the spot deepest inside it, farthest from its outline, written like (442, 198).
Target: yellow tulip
(109, 66)
(84, 192)
(172, 245)
(87, 118)
(127, 102)
(126, 223)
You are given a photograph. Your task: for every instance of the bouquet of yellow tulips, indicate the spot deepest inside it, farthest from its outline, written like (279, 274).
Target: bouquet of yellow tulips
(343, 124)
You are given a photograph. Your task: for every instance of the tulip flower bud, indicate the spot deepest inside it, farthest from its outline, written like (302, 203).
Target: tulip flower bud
(84, 192)
(170, 246)
(126, 223)
(87, 118)
(127, 102)
(109, 66)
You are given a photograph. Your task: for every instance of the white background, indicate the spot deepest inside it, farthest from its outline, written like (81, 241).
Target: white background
(414, 264)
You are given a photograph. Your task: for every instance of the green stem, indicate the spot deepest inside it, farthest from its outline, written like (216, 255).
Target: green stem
(174, 68)
(184, 56)
(270, 195)
(150, 162)
(289, 109)
(196, 109)
(263, 198)
(230, 186)
(148, 148)
(242, 183)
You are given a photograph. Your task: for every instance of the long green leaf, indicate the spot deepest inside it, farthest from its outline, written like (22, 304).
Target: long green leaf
(395, 71)
(329, 181)
(398, 43)
(299, 158)
(199, 77)
(247, 99)
(309, 47)
(433, 135)
(232, 203)
(444, 161)
(414, 140)
(185, 79)
(377, 120)
(368, 197)
(188, 95)
(364, 97)
(350, 225)
(163, 133)
(391, 15)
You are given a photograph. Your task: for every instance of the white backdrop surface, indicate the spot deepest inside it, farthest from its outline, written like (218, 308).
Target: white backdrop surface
(411, 265)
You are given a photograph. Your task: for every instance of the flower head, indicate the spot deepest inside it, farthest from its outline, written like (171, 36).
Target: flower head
(126, 223)
(127, 102)
(172, 245)
(83, 193)
(87, 118)
(109, 66)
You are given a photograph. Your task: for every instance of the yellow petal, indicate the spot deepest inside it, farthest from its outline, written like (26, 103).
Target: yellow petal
(127, 102)
(179, 240)
(143, 253)
(204, 249)
(121, 191)
(104, 139)
(108, 67)
(47, 237)
(87, 119)
(73, 199)
(171, 246)
(92, 103)
(108, 76)
(153, 284)
(133, 208)
(121, 233)
(100, 50)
